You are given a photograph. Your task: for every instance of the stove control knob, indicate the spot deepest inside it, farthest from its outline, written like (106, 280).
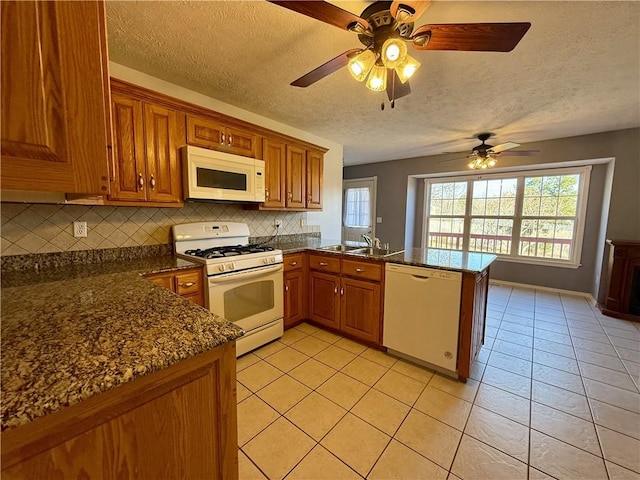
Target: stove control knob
(265, 261)
(232, 266)
(273, 259)
(222, 268)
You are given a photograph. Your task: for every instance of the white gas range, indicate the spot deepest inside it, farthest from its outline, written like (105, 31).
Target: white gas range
(244, 282)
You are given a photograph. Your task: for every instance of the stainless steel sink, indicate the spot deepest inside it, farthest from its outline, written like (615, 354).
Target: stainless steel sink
(372, 251)
(339, 248)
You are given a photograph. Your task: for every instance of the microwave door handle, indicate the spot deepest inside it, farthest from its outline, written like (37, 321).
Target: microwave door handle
(235, 277)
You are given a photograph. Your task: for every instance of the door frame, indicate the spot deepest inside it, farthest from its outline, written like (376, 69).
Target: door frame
(374, 201)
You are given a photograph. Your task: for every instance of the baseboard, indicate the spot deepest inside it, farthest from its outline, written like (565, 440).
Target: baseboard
(588, 296)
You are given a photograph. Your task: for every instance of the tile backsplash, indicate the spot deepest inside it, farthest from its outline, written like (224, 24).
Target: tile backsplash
(40, 228)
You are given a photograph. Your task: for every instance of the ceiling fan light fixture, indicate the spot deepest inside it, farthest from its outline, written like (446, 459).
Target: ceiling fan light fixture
(393, 52)
(377, 80)
(360, 65)
(482, 162)
(407, 68)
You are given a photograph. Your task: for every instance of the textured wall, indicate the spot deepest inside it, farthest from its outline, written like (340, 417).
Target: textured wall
(33, 228)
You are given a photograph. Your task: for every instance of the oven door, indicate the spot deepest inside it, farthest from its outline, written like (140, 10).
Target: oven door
(250, 299)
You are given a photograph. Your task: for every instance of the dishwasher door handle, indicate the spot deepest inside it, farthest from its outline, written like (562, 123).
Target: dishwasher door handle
(420, 277)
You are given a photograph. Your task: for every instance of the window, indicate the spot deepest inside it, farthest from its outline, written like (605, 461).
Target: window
(534, 216)
(357, 208)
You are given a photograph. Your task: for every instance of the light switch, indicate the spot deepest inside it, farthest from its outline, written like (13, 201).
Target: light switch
(378, 219)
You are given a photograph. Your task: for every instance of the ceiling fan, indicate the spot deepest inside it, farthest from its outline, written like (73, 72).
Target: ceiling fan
(485, 156)
(385, 28)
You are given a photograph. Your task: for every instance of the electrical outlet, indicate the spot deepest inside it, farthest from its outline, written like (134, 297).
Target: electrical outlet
(278, 223)
(302, 222)
(79, 229)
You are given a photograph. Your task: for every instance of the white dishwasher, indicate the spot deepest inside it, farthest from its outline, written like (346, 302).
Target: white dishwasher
(422, 313)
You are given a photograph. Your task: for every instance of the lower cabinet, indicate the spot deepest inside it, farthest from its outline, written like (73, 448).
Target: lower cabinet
(295, 289)
(473, 312)
(324, 301)
(346, 295)
(188, 283)
(360, 309)
(178, 422)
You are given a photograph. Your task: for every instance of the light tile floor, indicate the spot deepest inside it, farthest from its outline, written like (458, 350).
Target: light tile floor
(554, 393)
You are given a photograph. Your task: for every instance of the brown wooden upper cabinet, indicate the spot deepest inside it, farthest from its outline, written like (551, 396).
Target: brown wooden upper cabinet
(55, 115)
(145, 151)
(293, 176)
(209, 133)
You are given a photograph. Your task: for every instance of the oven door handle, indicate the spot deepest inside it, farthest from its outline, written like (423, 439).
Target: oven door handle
(241, 276)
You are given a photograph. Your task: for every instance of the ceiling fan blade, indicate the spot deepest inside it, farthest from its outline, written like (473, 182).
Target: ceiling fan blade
(418, 7)
(453, 159)
(395, 88)
(323, 11)
(325, 69)
(471, 37)
(504, 146)
(520, 153)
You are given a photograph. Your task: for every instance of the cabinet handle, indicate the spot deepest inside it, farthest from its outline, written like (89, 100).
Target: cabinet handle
(335, 289)
(290, 195)
(187, 285)
(359, 270)
(293, 264)
(266, 193)
(308, 197)
(342, 291)
(286, 288)
(230, 140)
(323, 264)
(222, 138)
(152, 182)
(140, 181)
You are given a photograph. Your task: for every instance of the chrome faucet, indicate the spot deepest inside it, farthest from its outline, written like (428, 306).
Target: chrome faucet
(367, 239)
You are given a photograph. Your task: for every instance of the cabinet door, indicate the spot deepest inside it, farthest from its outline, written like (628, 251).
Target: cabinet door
(241, 142)
(163, 175)
(315, 170)
(205, 133)
(54, 117)
(128, 169)
(296, 165)
(479, 313)
(294, 297)
(324, 304)
(273, 154)
(360, 309)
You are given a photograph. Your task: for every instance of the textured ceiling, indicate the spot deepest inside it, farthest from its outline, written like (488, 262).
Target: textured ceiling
(576, 71)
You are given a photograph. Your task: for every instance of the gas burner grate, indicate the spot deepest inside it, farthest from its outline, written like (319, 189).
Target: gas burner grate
(228, 251)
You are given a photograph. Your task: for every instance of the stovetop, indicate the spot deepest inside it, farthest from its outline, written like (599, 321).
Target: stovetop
(228, 251)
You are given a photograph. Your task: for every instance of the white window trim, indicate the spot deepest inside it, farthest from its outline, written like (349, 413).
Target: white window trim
(345, 184)
(581, 210)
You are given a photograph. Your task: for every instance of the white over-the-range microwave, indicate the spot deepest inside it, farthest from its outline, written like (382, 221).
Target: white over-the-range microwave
(213, 175)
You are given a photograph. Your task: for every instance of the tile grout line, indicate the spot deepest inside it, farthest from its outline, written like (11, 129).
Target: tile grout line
(593, 422)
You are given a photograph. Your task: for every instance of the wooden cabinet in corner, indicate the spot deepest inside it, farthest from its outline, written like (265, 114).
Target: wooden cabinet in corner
(207, 132)
(55, 115)
(145, 165)
(294, 176)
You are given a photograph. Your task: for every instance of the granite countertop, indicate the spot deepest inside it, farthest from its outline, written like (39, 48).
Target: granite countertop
(456, 260)
(73, 332)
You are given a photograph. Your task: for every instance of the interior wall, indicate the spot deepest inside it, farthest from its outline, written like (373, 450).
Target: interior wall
(624, 208)
(329, 219)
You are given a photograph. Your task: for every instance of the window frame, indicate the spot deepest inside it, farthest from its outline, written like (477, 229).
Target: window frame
(580, 219)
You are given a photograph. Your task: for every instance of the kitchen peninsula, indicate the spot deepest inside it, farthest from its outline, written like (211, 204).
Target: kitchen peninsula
(106, 374)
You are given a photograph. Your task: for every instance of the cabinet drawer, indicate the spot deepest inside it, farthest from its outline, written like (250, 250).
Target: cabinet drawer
(366, 270)
(164, 281)
(324, 263)
(293, 261)
(187, 283)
